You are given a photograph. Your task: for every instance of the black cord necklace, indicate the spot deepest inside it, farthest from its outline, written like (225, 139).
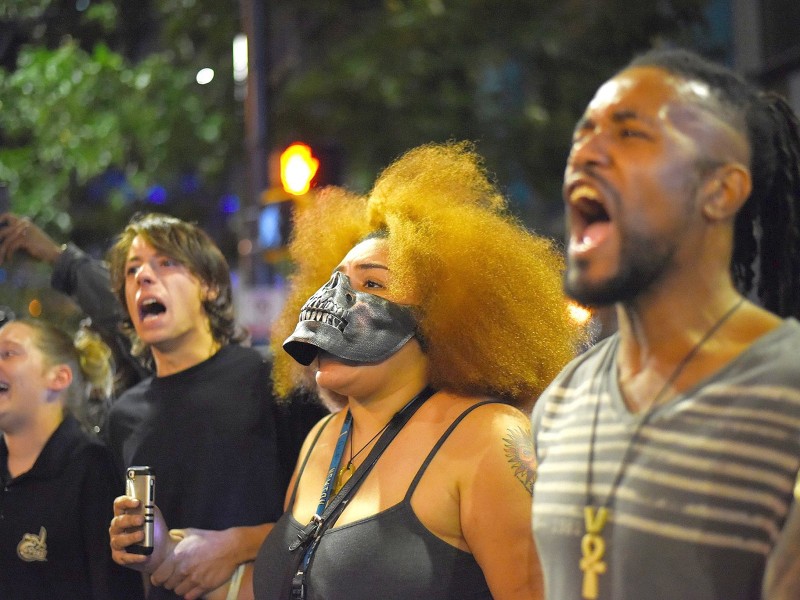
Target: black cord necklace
(593, 544)
(347, 471)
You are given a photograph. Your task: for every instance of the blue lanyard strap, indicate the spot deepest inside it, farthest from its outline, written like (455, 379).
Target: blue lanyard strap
(316, 520)
(312, 533)
(337, 457)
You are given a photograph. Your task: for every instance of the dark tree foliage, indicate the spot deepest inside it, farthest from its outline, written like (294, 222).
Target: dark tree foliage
(101, 113)
(379, 77)
(100, 106)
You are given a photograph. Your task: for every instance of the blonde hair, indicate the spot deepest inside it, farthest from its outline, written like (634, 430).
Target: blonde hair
(86, 354)
(492, 314)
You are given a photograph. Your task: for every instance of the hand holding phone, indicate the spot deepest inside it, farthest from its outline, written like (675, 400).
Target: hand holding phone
(140, 483)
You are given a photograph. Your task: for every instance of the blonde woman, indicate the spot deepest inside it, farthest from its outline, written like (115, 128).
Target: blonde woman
(58, 481)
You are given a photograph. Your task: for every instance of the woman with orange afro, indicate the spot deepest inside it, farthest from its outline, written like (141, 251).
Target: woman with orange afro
(435, 317)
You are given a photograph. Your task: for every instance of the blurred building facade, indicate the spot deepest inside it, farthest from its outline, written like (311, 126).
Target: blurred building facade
(766, 44)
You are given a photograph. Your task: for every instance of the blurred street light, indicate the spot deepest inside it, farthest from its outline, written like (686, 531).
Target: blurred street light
(240, 58)
(298, 169)
(205, 76)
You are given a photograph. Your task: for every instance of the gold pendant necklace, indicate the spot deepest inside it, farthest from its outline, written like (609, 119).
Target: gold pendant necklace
(343, 476)
(593, 548)
(346, 472)
(593, 545)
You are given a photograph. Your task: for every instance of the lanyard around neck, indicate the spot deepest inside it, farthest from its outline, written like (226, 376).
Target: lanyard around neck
(337, 457)
(326, 487)
(309, 537)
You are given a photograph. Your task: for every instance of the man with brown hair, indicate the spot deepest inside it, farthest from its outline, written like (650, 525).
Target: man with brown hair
(205, 423)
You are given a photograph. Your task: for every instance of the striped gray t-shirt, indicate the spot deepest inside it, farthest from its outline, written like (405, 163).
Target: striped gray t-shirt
(707, 487)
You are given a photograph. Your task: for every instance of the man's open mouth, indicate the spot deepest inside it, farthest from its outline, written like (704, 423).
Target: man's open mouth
(151, 308)
(586, 202)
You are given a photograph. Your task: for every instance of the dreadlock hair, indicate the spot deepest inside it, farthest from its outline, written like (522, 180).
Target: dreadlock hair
(766, 244)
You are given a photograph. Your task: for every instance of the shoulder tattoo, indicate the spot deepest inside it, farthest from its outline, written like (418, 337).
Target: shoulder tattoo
(520, 455)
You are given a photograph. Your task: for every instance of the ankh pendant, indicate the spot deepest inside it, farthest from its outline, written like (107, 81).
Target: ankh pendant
(593, 548)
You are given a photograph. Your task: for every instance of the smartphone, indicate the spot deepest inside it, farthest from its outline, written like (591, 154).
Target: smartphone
(140, 482)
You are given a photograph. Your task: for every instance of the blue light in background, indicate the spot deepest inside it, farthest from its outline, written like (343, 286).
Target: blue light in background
(189, 183)
(269, 227)
(100, 187)
(156, 195)
(229, 204)
(275, 224)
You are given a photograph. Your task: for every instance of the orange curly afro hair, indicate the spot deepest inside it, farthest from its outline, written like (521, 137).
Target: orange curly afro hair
(492, 313)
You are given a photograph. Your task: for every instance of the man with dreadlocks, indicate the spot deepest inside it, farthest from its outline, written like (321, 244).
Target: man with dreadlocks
(668, 454)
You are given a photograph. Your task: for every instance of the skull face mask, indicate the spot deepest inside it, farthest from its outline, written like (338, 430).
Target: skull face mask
(350, 325)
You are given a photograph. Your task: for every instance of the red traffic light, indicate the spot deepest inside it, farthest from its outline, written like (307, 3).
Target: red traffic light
(298, 168)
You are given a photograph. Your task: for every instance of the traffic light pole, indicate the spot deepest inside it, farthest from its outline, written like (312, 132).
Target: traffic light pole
(254, 23)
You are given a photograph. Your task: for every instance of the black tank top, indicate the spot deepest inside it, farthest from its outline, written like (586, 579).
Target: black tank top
(390, 555)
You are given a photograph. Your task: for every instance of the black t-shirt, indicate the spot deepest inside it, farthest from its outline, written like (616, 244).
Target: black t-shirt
(54, 523)
(210, 433)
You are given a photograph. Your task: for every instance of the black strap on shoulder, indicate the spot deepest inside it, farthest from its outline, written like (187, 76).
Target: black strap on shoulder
(308, 538)
(424, 466)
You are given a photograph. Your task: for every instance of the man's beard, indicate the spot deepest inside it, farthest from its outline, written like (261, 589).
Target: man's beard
(643, 262)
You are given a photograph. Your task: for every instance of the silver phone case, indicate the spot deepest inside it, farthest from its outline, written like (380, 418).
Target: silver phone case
(140, 482)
